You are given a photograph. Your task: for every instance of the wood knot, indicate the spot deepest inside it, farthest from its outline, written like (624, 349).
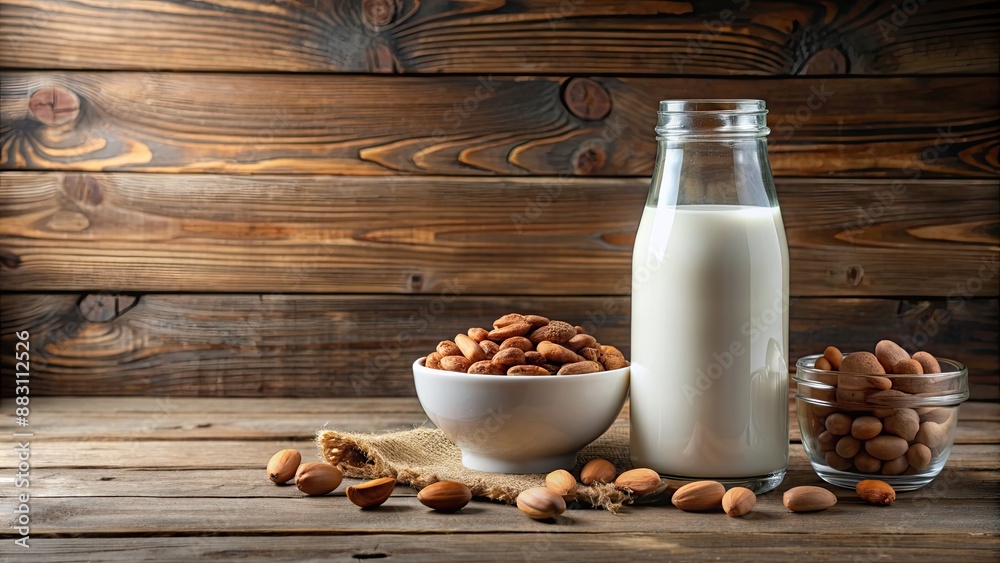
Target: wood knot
(378, 12)
(9, 259)
(586, 99)
(826, 61)
(104, 307)
(589, 160)
(54, 105)
(855, 274)
(82, 188)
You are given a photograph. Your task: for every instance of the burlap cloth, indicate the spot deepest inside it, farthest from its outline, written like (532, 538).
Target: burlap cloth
(423, 456)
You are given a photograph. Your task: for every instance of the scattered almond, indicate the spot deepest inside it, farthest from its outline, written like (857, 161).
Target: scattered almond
(445, 496)
(562, 483)
(699, 496)
(808, 498)
(598, 471)
(283, 465)
(372, 493)
(640, 481)
(317, 478)
(540, 503)
(738, 501)
(874, 491)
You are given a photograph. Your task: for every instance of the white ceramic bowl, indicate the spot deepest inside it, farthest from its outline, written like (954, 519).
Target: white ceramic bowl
(520, 423)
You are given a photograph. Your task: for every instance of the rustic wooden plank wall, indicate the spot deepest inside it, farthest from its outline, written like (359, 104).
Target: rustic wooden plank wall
(297, 198)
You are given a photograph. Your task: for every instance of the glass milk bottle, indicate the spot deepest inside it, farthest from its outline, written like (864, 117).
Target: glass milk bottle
(709, 396)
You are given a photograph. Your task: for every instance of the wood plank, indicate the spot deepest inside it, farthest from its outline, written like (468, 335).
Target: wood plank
(540, 546)
(548, 36)
(299, 515)
(165, 232)
(329, 346)
(462, 125)
(253, 454)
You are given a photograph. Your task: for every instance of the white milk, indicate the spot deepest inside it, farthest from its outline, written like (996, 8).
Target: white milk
(709, 341)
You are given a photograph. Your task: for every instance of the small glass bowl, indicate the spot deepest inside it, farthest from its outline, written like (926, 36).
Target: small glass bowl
(854, 429)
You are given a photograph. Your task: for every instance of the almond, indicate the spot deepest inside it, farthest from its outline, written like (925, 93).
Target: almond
(557, 354)
(580, 329)
(903, 423)
(848, 447)
(317, 478)
(445, 496)
(837, 461)
(579, 368)
(433, 360)
(613, 361)
(509, 319)
(874, 491)
(866, 463)
(866, 427)
(862, 362)
(448, 348)
(640, 481)
(839, 424)
(551, 368)
(918, 455)
(534, 358)
(509, 331)
(592, 354)
(932, 435)
(834, 356)
(851, 382)
(738, 501)
(808, 499)
(896, 466)
(699, 496)
(509, 357)
(518, 342)
(283, 464)
(490, 347)
(823, 364)
(456, 363)
(611, 350)
(908, 367)
(556, 332)
(486, 367)
(536, 321)
(562, 483)
(540, 503)
(887, 448)
(889, 354)
(528, 370)
(470, 348)
(581, 341)
(598, 471)
(478, 334)
(372, 493)
(927, 362)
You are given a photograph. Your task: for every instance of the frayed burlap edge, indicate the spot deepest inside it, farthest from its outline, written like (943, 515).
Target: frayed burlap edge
(423, 456)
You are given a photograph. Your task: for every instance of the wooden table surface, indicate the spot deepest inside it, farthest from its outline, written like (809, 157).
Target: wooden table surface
(127, 479)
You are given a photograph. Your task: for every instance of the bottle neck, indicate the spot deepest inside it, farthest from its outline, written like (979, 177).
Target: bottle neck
(721, 171)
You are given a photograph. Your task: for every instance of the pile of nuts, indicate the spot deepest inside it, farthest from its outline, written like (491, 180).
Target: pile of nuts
(890, 441)
(525, 345)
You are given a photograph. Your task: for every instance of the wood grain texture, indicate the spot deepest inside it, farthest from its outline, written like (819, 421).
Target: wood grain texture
(495, 36)
(413, 235)
(342, 346)
(464, 125)
(123, 494)
(541, 545)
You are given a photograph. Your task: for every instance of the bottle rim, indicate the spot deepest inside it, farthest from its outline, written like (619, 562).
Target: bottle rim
(711, 119)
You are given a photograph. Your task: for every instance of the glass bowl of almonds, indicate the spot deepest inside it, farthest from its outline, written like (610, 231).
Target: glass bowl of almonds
(886, 414)
(524, 396)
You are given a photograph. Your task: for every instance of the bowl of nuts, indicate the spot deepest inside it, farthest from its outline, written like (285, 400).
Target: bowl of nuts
(886, 414)
(525, 396)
